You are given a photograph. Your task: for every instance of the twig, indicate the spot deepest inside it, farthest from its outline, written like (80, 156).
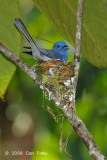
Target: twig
(77, 54)
(19, 62)
(66, 142)
(78, 38)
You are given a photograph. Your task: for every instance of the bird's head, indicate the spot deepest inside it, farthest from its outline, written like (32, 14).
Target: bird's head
(60, 47)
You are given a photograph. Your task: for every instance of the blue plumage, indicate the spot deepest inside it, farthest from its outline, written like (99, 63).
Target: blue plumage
(59, 50)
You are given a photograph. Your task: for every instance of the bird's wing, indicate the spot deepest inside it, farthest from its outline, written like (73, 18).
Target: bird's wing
(45, 52)
(50, 53)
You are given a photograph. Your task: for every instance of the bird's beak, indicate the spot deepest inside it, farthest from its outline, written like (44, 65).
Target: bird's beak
(67, 47)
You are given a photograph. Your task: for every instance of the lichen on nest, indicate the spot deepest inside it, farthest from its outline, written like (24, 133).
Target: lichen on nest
(56, 78)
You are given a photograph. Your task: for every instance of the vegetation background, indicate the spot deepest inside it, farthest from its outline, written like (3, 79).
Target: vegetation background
(26, 125)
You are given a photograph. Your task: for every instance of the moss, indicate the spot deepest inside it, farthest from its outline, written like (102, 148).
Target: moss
(54, 82)
(45, 79)
(60, 86)
(56, 76)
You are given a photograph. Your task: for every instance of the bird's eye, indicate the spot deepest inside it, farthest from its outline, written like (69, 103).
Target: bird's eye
(58, 46)
(65, 46)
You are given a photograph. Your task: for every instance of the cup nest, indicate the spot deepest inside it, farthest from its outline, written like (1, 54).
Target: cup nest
(54, 69)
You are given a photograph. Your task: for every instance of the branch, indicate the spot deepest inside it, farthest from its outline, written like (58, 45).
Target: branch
(77, 54)
(78, 39)
(19, 62)
(78, 126)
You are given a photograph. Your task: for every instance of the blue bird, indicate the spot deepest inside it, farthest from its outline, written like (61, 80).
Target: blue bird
(59, 50)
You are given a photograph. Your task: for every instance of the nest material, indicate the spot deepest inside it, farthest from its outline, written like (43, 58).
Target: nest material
(54, 74)
(61, 71)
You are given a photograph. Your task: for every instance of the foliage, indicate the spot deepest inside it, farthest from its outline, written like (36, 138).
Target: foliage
(10, 37)
(94, 34)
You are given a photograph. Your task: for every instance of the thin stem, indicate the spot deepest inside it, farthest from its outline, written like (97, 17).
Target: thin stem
(77, 54)
(78, 39)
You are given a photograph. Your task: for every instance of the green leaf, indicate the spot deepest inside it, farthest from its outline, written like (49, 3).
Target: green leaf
(10, 37)
(94, 34)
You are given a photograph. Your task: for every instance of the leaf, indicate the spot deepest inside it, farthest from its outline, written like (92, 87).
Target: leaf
(10, 37)
(94, 31)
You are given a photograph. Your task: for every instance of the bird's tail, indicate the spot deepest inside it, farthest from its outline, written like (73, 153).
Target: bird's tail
(23, 30)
